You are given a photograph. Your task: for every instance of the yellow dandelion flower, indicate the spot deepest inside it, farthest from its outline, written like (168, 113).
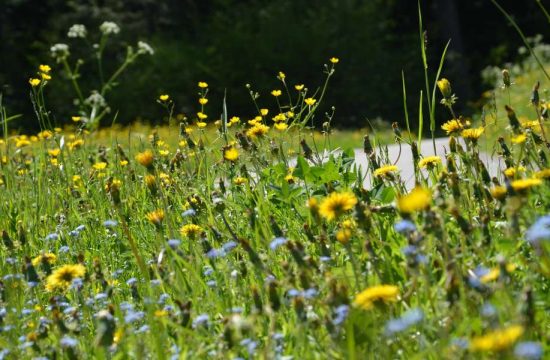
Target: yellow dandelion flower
(542, 174)
(155, 217)
(256, 131)
(190, 230)
(54, 152)
(429, 162)
(334, 60)
(75, 144)
(123, 162)
(276, 93)
(281, 75)
(145, 158)
(472, 134)
(343, 236)
(100, 165)
(454, 126)
(201, 124)
(498, 192)
(497, 340)
(418, 199)
(202, 84)
(380, 293)
(164, 97)
(45, 77)
(34, 82)
(235, 120)
(44, 68)
(525, 184)
(530, 124)
(336, 204)
(299, 87)
(44, 258)
(511, 172)
(22, 142)
(201, 115)
(494, 273)
(264, 112)
(203, 101)
(76, 118)
(520, 139)
(63, 276)
(240, 180)
(281, 126)
(310, 101)
(231, 154)
(385, 170)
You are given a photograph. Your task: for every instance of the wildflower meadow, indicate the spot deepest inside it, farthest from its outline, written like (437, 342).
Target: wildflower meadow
(216, 235)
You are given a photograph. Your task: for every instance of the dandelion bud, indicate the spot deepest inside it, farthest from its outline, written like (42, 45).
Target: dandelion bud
(307, 150)
(396, 130)
(512, 118)
(273, 296)
(367, 146)
(535, 99)
(528, 307)
(542, 157)
(300, 308)
(7, 240)
(105, 329)
(452, 144)
(506, 78)
(151, 183)
(445, 87)
(257, 298)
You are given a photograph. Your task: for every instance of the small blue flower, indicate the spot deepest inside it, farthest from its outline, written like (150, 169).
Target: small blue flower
(324, 258)
(207, 271)
(539, 231)
(408, 319)
(142, 329)
(188, 212)
(250, 345)
(68, 342)
(133, 316)
(228, 246)
(460, 343)
(340, 314)
(174, 243)
(529, 350)
(52, 236)
(488, 310)
(278, 241)
(215, 253)
(110, 223)
(156, 282)
(162, 298)
(405, 227)
(79, 228)
(64, 249)
(201, 320)
(101, 296)
(211, 283)
(131, 281)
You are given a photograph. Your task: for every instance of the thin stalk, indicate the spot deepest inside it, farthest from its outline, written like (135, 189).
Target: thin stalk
(523, 38)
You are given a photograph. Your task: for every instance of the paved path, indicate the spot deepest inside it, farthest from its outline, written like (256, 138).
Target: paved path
(405, 161)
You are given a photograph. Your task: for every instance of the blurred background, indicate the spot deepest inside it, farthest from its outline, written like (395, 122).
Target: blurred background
(230, 43)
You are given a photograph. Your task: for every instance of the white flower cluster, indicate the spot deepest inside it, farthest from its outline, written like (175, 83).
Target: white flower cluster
(60, 51)
(109, 27)
(144, 48)
(77, 31)
(95, 100)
